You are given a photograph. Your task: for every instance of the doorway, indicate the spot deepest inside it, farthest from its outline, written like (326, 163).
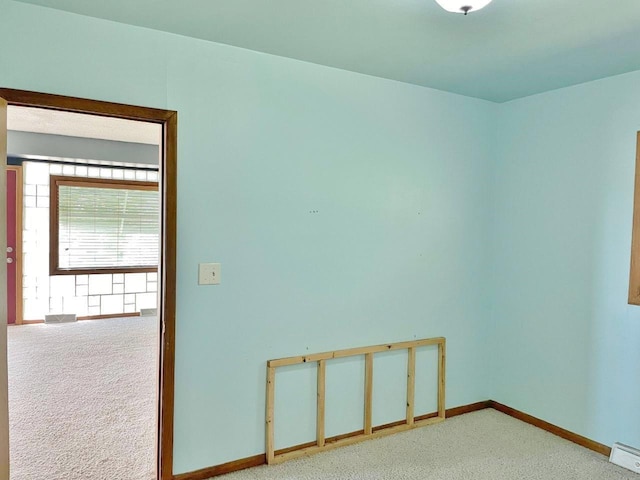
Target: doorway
(167, 120)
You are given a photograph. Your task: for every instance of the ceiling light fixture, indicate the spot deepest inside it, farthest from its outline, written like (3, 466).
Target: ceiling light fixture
(463, 6)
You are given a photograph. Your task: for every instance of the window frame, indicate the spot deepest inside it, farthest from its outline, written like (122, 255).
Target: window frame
(87, 182)
(634, 272)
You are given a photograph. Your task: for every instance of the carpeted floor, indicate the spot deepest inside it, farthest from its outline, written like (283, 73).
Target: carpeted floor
(82, 400)
(485, 445)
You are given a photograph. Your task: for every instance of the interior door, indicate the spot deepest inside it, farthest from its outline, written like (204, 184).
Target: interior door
(4, 400)
(14, 240)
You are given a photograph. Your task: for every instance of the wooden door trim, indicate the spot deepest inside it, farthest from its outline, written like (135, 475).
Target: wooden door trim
(26, 98)
(634, 271)
(19, 226)
(4, 390)
(169, 121)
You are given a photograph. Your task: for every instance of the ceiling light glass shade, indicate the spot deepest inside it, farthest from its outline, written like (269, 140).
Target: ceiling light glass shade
(463, 6)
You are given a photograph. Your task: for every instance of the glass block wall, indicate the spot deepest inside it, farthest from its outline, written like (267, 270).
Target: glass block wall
(84, 295)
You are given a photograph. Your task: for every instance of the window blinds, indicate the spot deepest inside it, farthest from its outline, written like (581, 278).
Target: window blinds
(107, 227)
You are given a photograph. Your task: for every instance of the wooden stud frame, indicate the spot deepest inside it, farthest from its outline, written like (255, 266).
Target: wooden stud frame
(369, 431)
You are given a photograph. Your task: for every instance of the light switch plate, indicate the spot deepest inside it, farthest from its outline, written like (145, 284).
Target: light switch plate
(209, 274)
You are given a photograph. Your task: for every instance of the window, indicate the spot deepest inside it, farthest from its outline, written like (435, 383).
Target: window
(103, 226)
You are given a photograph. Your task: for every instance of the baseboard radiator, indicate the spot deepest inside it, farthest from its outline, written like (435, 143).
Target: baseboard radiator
(369, 431)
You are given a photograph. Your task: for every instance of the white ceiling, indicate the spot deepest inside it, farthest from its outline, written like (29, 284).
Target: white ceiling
(39, 120)
(510, 49)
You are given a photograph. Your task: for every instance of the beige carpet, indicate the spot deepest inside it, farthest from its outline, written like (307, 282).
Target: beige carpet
(485, 445)
(82, 400)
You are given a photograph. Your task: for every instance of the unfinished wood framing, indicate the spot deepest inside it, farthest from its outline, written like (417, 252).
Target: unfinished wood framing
(271, 385)
(411, 384)
(322, 370)
(368, 393)
(369, 431)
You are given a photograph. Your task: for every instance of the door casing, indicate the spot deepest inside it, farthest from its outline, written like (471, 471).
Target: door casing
(4, 393)
(168, 119)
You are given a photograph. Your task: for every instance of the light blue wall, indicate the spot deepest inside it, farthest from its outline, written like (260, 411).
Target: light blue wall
(567, 345)
(398, 175)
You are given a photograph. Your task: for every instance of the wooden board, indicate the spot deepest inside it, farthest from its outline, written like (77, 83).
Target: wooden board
(411, 384)
(350, 352)
(322, 369)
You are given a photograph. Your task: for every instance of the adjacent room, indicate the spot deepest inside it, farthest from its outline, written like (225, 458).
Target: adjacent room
(82, 275)
(376, 216)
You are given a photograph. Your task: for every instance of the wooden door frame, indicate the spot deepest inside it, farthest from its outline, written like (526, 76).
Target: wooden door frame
(19, 214)
(168, 119)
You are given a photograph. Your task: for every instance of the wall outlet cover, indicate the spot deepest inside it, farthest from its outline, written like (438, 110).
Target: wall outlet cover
(209, 274)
